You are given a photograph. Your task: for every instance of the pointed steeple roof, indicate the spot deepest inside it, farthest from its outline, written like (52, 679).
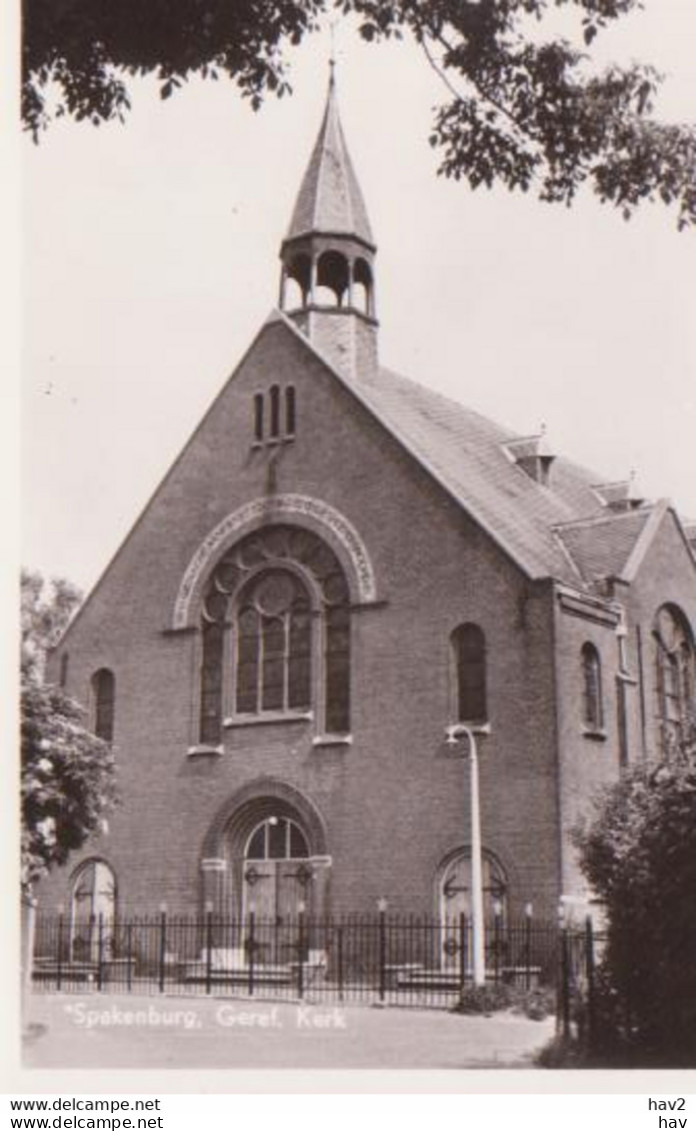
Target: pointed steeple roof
(330, 200)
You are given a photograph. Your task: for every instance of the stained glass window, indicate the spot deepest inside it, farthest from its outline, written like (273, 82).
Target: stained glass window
(281, 597)
(104, 699)
(675, 677)
(593, 707)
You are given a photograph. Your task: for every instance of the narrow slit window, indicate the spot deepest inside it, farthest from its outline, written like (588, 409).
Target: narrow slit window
(258, 417)
(469, 646)
(275, 412)
(104, 697)
(592, 688)
(290, 410)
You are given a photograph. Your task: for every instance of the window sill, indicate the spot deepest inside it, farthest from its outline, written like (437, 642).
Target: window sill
(204, 749)
(268, 718)
(273, 442)
(596, 735)
(332, 740)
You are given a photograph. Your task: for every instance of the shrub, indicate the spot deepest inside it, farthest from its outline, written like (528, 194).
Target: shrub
(535, 1003)
(639, 854)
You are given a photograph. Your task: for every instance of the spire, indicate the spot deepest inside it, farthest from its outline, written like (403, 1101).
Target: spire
(327, 282)
(330, 200)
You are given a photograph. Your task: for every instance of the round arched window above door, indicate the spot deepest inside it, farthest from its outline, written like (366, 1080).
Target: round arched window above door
(277, 838)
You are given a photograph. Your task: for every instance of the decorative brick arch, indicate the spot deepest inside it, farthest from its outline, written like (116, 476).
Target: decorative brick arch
(254, 801)
(224, 879)
(303, 510)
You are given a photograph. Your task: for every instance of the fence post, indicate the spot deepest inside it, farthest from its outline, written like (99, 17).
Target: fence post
(300, 948)
(528, 911)
(28, 946)
(208, 946)
(100, 951)
(462, 953)
(339, 959)
(252, 948)
(590, 973)
(129, 956)
(382, 909)
(496, 943)
(59, 962)
(565, 982)
(162, 946)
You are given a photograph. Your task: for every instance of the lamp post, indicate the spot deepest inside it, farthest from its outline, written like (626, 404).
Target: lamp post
(477, 923)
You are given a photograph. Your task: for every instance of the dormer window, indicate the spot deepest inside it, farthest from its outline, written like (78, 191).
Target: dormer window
(275, 415)
(619, 497)
(533, 455)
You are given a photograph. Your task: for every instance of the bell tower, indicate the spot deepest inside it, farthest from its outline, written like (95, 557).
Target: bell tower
(327, 280)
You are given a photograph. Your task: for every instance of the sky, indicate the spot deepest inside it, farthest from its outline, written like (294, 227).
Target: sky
(150, 261)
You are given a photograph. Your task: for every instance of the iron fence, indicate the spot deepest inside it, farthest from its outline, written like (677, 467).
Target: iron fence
(383, 958)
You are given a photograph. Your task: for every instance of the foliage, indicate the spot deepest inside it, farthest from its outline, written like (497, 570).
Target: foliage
(536, 1003)
(562, 1052)
(67, 781)
(45, 614)
(522, 111)
(639, 855)
(67, 774)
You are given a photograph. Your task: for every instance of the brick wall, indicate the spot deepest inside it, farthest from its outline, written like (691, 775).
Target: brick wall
(395, 802)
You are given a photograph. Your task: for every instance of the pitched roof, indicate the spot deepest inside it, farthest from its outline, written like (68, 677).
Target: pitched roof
(468, 455)
(330, 199)
(601, 547)
(466, 452)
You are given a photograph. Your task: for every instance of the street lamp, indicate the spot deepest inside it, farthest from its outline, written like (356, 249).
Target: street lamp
(454, 733)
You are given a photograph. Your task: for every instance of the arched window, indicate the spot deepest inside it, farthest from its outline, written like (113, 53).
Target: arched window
(104, 700)
(258, 417)
(333, 276)
(362, 289)
(298, 282)
(274, 395)
(593, 706)
(277, 838)
(276, 633)
(469, 654)
(290, 410)
(675, 677)
(92, 910)
(274, 645)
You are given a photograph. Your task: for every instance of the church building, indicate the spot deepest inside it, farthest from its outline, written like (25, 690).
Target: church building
(340, 567)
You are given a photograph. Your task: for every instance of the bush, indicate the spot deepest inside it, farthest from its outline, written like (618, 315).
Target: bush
(536, 1003)
(640, 857)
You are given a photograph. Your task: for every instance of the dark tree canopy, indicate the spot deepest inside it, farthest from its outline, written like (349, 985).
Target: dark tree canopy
(521, 110)
(639, 855)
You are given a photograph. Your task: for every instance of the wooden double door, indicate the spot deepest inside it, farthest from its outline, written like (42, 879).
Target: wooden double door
(278, 888)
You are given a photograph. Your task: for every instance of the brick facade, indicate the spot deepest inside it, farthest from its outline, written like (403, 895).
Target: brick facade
(386, 806)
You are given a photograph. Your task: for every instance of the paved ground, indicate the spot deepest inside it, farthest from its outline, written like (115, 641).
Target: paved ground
(73, 1031)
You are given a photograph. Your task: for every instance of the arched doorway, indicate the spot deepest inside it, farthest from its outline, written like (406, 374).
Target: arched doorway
(454, 898)
(266, 853)
(92, 911)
